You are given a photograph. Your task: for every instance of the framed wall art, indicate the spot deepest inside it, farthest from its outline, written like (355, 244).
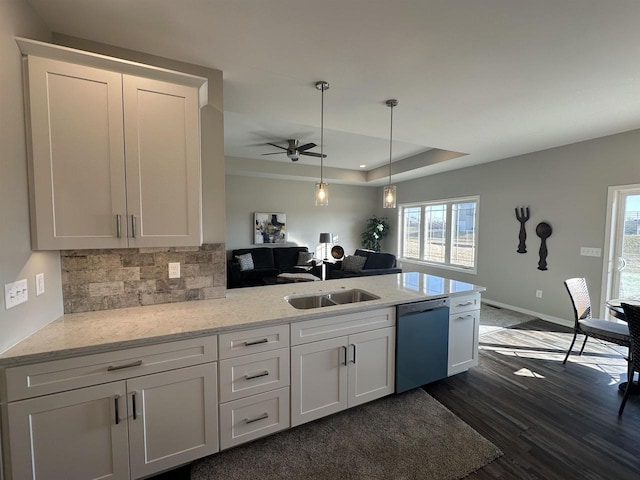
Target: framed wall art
(270, 228)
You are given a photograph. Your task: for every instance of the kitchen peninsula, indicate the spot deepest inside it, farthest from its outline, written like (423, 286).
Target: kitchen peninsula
(166, 384)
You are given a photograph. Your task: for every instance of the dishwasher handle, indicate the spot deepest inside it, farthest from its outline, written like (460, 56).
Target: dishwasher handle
(418, 307)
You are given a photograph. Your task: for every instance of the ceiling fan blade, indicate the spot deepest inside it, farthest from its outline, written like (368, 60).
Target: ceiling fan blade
(306, 146)
(274, 153)
(278, 146)
(313, 154)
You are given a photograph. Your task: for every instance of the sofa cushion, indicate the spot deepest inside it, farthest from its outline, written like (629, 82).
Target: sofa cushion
(262, 256)
(353, 263)
(363, 252)
(257, 276)
(287, 256)
(245, 261)
(304, 259)
(380, 260)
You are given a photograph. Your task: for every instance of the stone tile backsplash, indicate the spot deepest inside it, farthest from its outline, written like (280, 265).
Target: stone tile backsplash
(128, 277)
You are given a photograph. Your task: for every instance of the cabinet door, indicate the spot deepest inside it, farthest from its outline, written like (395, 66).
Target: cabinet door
(77, 156)
(172, 418)
(72, 435)
(162, 142)
(371, 360)
(463, 341)
(318, 379)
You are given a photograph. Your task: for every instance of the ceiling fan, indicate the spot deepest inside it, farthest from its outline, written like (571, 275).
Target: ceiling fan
(293, 150)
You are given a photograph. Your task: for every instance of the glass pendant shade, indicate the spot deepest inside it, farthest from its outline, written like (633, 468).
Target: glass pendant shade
(322, 194)
(389, 200)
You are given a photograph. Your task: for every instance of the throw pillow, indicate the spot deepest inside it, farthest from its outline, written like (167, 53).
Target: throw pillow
(353, 263)
(304, 259)
(245, 261)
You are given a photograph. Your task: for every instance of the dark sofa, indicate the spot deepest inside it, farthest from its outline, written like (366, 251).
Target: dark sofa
(268, 263)
(375, 264)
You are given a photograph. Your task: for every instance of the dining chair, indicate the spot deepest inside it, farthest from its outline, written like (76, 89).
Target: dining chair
(632, 315)
(588, 326)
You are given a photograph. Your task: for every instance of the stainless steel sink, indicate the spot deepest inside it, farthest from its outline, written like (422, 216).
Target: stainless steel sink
(352, 296)
(340, 297)
(305, 302)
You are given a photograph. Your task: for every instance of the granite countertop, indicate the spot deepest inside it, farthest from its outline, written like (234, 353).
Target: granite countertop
(94, 332)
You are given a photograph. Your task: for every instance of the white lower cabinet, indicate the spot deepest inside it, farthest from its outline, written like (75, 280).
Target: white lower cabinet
(173, 418)
(125, 428)
(254, 387)
(73, 435)
(464, 330)
(253, 417)
(334, 374)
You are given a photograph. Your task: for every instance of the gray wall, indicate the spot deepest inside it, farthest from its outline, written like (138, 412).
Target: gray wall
(17, 261)
(565, 186)
(346, 215)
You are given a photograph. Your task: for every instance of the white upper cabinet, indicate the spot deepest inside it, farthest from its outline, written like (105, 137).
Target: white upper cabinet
(114, 156)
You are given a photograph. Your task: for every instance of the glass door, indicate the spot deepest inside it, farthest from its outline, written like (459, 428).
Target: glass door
(623, 272)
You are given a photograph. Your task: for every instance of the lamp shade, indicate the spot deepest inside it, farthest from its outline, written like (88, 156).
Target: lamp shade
(326, 238)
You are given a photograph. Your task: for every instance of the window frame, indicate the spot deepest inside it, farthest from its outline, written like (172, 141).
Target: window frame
(448, 202)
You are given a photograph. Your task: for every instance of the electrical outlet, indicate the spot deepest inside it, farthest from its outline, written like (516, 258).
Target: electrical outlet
(590, 251)
(39, 284)
(174, 270)
(15, 293)
(538, 293)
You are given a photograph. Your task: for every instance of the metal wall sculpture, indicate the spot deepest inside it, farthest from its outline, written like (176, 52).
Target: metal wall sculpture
(543, 230)
(522, 216)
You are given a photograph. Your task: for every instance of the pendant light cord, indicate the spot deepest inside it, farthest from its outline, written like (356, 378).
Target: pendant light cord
(321, 132)
(390, 143)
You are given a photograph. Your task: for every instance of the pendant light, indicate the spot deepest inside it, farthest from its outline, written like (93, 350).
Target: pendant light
(322, 189)
(389, 196)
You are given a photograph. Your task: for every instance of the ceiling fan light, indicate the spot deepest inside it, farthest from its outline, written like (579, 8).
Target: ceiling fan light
(322, 194)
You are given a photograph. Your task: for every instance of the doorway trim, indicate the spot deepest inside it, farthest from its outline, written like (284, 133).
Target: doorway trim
(613, 204)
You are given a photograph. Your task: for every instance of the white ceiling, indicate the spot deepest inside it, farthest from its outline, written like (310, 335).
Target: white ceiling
(488, 78)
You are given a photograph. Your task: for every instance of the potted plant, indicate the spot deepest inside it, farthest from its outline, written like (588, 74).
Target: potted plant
(377, 228)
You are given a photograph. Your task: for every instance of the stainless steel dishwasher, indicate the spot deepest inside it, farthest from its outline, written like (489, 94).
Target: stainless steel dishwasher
(422, 343)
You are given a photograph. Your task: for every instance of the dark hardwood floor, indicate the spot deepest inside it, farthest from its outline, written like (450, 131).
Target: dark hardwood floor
(552, 421)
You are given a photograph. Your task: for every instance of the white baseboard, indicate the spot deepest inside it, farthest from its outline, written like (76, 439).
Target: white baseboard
(559, 321)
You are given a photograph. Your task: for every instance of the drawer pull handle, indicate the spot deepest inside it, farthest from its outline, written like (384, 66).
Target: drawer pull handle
(464, 304)
(466, 316)
(257, 419)
(113, 368)
(256, 342)
(256, 375)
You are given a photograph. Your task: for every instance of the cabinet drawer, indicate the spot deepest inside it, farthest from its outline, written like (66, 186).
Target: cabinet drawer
(255, 340)
(464, 303)
(59, 375)
(251, 374)
(331, 327)
(253, 417)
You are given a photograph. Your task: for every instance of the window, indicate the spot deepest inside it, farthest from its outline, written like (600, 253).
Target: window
(443, 233)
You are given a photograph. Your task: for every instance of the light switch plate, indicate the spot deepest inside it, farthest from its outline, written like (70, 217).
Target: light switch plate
(15, 293)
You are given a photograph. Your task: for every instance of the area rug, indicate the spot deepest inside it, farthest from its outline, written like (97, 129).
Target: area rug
(406, 436)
